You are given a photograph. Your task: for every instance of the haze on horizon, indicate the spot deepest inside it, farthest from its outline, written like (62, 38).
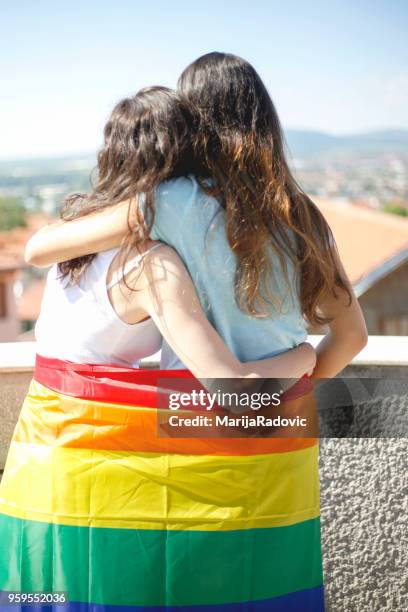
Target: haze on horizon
(337, 67)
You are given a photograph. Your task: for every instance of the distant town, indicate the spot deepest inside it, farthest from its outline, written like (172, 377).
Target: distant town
(369, 170)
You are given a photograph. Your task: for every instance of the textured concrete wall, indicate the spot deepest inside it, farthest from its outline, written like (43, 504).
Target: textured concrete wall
(364, 500)
(13, 387)
(364, 524)
(364, 491)
(9, 324)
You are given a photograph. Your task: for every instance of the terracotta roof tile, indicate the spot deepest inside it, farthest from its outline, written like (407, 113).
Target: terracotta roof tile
(365, 238)
(12, 242)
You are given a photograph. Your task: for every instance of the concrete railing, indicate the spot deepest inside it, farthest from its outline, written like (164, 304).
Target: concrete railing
(363, 483)
(381, 351)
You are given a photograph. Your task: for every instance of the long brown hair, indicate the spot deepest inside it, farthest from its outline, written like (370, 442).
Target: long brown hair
(239, 140)
(146, 141)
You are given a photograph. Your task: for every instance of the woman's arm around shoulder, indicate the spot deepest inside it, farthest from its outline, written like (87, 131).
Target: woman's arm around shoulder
(106, 228)
(64, 240)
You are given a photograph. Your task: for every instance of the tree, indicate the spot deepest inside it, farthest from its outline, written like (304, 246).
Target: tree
(12, 213)
(396, 209)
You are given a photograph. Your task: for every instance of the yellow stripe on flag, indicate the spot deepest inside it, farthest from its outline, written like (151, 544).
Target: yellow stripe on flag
(115, 489)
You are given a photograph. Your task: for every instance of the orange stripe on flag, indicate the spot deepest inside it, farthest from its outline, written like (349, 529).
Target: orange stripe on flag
(54, 419)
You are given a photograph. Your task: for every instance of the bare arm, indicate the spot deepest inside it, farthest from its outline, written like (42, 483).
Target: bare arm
(346, 337)
(93, 233)
(172, 302)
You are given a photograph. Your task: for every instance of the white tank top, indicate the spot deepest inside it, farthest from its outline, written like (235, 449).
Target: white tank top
(78, 323)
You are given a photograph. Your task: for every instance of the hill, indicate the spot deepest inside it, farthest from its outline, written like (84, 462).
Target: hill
(304, 143)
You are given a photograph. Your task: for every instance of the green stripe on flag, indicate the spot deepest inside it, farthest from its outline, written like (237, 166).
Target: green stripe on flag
(158, 567)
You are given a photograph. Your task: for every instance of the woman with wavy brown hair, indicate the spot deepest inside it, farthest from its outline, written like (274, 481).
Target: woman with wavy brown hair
(93, 471)
(264, 263)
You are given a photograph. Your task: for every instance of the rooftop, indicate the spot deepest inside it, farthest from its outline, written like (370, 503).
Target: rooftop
(12, 242)
(366, 239)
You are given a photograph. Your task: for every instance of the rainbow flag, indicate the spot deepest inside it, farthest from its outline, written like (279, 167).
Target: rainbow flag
(94, 504)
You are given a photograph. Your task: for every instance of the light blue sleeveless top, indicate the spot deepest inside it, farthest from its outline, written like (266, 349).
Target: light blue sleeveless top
(193, 223)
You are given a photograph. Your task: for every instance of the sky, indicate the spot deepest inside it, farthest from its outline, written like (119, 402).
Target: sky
(339, 66)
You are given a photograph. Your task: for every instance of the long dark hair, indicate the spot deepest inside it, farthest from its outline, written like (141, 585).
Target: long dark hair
(146, 141)
(239, 140)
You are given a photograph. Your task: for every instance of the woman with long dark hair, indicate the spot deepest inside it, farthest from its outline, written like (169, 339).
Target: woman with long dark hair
(264, 263)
